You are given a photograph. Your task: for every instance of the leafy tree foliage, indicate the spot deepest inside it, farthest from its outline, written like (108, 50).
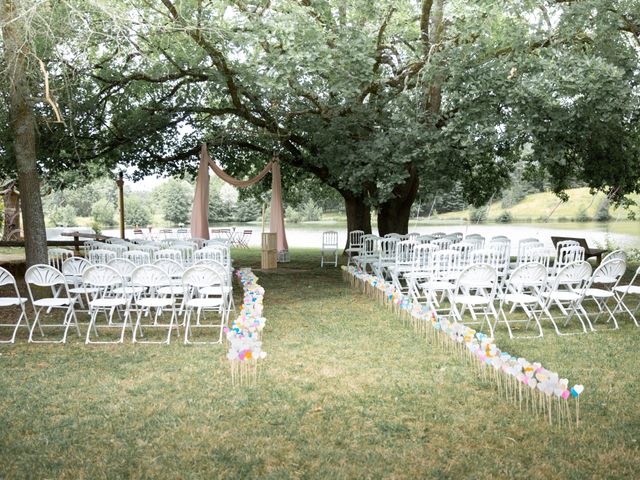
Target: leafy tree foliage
(103, 213)
(175, 198)
(136, 212)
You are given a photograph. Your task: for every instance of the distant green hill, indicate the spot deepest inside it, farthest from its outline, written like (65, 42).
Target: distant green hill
(540, 206)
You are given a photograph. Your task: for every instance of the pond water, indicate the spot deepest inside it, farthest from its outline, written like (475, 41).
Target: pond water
(625, 234)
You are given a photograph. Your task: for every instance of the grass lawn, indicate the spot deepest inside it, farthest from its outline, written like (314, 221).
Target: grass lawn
(346, 392)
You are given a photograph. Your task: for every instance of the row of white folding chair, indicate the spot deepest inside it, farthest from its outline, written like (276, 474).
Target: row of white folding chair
(149, 287)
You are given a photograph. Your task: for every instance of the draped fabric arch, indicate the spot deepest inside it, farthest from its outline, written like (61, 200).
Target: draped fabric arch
(200, 212)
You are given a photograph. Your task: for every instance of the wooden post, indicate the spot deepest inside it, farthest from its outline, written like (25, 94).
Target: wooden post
(120, 183)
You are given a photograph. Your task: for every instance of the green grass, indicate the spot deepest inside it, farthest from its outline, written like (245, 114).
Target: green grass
(346, 392)
(547, 205)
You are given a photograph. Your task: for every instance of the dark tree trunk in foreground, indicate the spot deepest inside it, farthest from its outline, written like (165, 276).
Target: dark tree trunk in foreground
(394, 214)
(358, 214)
(23, 128)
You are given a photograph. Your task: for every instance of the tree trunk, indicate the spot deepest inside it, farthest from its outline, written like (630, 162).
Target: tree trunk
(23, 128)
(358, 214)
(11, 214)
(393, 215)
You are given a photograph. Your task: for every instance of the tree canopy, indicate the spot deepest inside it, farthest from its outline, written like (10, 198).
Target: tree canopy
(373, 99)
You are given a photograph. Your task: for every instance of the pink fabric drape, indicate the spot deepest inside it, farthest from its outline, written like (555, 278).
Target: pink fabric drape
(277, 212)
(200, 212)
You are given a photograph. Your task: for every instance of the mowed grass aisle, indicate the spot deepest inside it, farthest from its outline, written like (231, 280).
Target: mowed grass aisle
(346, 392)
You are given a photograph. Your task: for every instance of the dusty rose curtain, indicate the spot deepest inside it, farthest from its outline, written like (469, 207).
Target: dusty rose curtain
(277, 213)
(200, 212)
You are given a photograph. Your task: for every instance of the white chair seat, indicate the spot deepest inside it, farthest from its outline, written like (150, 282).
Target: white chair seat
(204, 302)
(52, 302)
(128, 290)
(598, 292)
(438, 285)
(633, 289)
(83, 290)
(8, 301)
(562, 296)
(107, 302)
(604, 279)
(471, 299)
(215, 290)
(519, 298)
(171, 289)
(154, 302)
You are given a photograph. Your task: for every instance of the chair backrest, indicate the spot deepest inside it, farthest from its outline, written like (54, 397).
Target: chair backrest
(169, 253)
(102, 276)
(215, 241)
(533, 274)
(57, 256)
(150, 276)
(370, 244)
(421, 258)
(123, 266)
(174, 269)
(117, 248)
(610, 272)
(208, 254)
(425, 239)
(621, 254)
(442, 243)
(404, 252)
(138, 257)
(7, 279)
(576, 274)
(74, 266)
(487, 256)
(100, 256)
(387, 249)
(330, 239)
(568, 254)
(525, 250)
(355, 238)
(437, 235)
(476, 239)
(392, 235)
(455, 237)
(44, 276)
(412, 236)
(464, 248)
(480, 275)
(144, 247)
(444, 263)
(200, 276)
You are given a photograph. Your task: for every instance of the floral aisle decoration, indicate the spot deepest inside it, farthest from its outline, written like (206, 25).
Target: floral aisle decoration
(528, 385)
(244, 335)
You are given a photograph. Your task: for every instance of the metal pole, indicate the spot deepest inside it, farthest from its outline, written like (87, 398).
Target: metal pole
(120, 183)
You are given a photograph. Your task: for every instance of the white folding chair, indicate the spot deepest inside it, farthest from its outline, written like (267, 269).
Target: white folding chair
(420, 271)
(444, 269)
(403, 264)
(57, 256)
(442, 243)
(152, 278)
(12, 301)
(148, 248)
(386, 256)
(523, 289)
(111, 295)
(567, 293)
(369, 252)
(138, 257)
(47, 277)
(72, 269)
(476, 239)
(355, 245)
(601, 289)
(169, 253)
(119, 247)
(616, 254)
(624, 291)
(475, 289)
(329, 248)
(437, 235)
(196, 280)
(100, 256)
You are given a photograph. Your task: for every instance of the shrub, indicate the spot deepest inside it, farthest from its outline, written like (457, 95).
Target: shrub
(292, 215)
(504, 217)
(478, 215)
(136, 213)
(65, 216)
(602, 212)
(310, 211)
(583, 216)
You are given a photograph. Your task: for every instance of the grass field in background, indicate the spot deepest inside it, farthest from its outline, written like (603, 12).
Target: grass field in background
(345, 392)
(546, 205)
